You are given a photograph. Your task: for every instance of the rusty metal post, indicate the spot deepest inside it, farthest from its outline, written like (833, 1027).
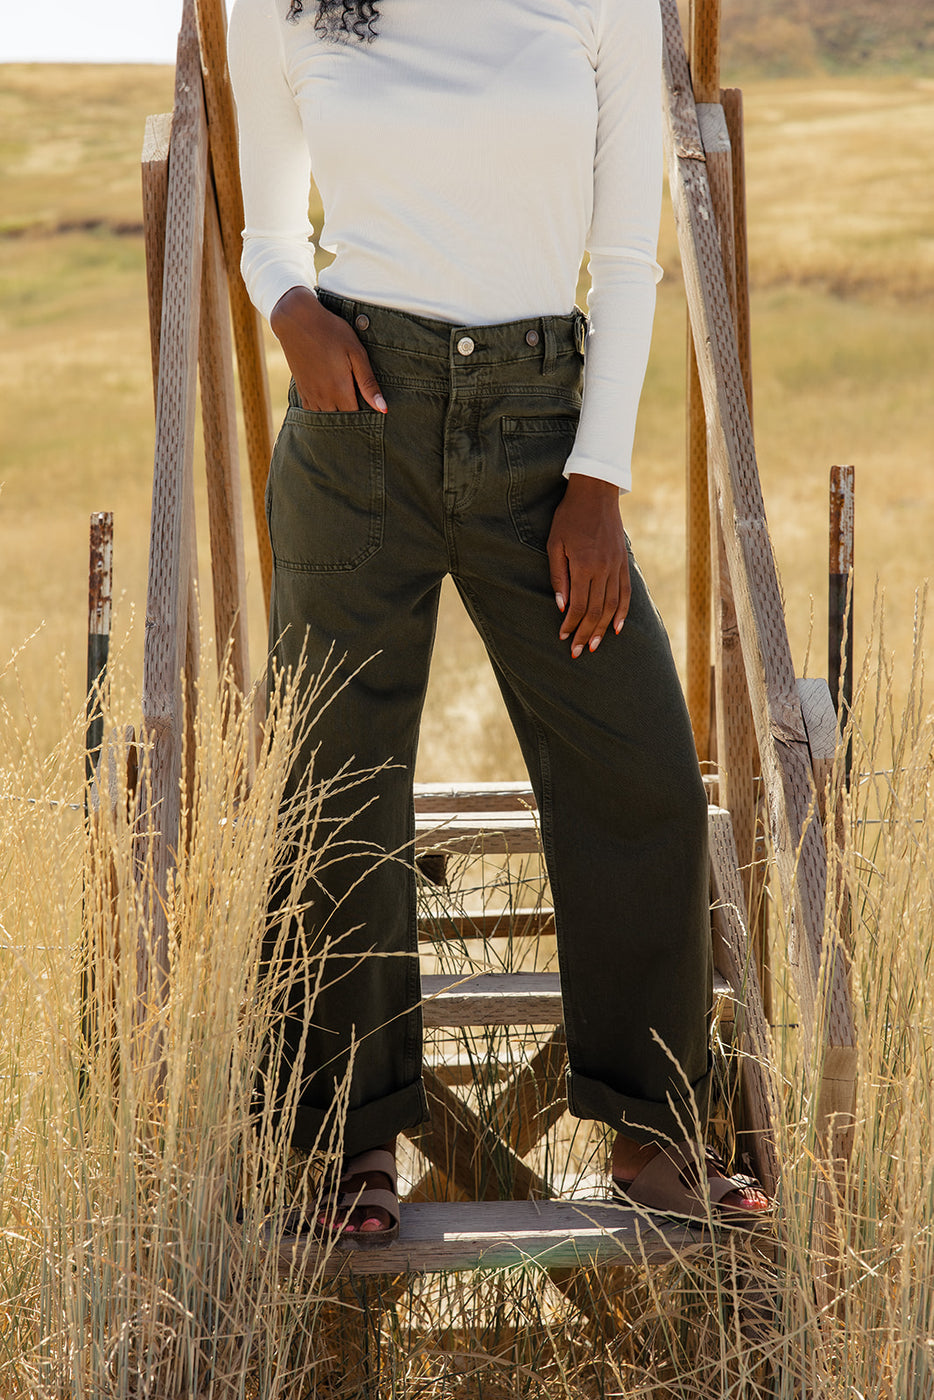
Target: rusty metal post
(100, 596)
(840, 595)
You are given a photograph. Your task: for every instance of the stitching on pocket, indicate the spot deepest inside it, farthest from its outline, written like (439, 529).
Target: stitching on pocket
(327, 496)
(534, 489)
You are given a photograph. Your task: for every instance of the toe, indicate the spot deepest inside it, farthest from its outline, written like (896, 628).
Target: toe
(746, 1199)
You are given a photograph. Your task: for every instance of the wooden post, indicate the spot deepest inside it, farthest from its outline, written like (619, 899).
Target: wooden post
(155, 175)
(732, 102)
(247, 325)
(219, 417)
(705, 66)
(735, 748)
(751, 1028)
(798, 839)
(170, 562)
(754, 876)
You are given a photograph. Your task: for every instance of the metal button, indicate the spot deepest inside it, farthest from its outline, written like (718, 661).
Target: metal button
(465, 345)
(531, 337)
(362, 322)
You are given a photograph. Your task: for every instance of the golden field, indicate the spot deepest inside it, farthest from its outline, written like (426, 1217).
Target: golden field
(841, 209)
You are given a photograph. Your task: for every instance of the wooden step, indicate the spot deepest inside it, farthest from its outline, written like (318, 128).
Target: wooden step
(493, 832)
(464, 825)
(491, 797)
(436, 1236)
(473, 797)
(508, 999)
(507, 923)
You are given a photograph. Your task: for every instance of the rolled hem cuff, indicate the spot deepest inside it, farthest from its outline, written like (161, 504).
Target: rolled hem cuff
(645, 1120)
(366, 1126)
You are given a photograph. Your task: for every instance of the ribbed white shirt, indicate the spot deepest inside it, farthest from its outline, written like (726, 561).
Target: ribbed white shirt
(465, 160)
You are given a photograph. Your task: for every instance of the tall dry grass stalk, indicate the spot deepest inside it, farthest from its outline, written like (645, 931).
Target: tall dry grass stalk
(138, 1194)
(137, 1212)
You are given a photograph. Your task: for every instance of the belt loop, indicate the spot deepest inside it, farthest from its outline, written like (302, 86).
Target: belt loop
(550, 357)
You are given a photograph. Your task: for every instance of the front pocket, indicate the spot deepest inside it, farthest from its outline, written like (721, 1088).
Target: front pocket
(537, 450)
(326, 493)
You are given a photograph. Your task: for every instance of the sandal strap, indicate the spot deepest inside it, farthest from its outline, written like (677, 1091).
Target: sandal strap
(663, 1184)
(671, 1182)
(376, 1160)
(382, 1199)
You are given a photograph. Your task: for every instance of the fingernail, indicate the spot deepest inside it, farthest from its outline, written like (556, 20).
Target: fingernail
(381, 404)
(559, 599)
(577, 649)
(618, 626)
(563, 636)
(594, 643)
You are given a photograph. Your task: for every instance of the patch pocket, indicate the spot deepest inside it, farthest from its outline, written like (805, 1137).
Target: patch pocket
(537, 450)
(326, 495)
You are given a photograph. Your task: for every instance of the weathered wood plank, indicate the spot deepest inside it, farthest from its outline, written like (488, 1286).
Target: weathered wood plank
(508, 923)
(165, 645)
(247, 326)
(732, 102)
(474, 797)
(736, 748)
(495, 833)
(535, 1097)
(823, 734)
(155, 177)
(704, 38)
(222, 457)
(797, 841)
(469, 1152)
(738, 967)
(504, 999)
(697, 568)
(437, 1236)
(704, 30)
(492, 999)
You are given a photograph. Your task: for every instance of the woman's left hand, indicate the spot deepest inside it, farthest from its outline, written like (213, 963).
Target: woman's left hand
(588, 562)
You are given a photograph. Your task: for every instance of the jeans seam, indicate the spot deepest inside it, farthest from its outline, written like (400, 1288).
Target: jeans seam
(544, 813)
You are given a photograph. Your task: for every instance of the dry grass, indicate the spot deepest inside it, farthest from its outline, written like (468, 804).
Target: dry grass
(135, 1209)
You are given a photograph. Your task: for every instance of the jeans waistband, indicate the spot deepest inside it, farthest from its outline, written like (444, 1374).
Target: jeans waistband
(541, 338)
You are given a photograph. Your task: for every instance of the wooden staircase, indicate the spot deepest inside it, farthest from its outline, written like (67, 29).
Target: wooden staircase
(473, 1155)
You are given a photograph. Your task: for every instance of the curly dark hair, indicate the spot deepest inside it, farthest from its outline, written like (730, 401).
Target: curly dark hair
(337, 19)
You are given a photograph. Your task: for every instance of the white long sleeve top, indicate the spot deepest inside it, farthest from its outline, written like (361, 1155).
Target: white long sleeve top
(465, 159)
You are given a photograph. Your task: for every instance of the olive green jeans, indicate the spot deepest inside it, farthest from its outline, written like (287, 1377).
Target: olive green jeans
(367, 514)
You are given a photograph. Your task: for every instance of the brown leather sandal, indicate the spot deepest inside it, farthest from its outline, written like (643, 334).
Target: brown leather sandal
(346, 1201)
(671, 1185)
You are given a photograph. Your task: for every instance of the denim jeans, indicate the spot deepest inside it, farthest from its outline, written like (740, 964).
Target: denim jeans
(367, 514)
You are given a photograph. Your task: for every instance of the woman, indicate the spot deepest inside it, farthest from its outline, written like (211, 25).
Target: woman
(466, 153)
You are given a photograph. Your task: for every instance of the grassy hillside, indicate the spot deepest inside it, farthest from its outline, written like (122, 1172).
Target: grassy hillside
(841, 207)
(795, 36)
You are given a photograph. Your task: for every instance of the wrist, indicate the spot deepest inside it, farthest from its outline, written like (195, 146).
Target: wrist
(297, 300)
(592, 488)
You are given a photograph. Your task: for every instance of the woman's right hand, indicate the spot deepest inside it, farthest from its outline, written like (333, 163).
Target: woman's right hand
(328, 362)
